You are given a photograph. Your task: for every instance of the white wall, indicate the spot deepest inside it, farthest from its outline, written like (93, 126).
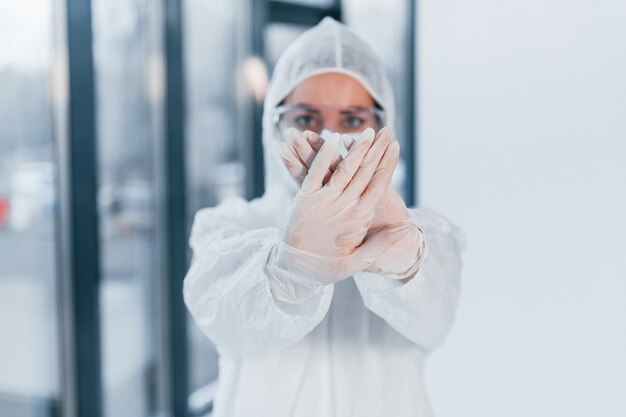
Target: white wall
(523, 145)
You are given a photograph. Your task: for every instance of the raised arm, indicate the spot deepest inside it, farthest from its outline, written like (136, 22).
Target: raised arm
(254, 287)
(414, 282)
(228, 289)
(423, 308)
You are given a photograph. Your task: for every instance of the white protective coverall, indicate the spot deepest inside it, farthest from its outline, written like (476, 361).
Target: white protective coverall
(356, 348)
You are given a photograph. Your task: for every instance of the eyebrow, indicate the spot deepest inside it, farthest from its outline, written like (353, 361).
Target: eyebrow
(308, 107)
(351, 110)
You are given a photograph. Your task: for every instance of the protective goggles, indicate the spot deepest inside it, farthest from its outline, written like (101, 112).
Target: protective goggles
(348, 120)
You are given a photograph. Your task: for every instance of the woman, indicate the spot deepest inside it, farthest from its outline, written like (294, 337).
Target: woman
(324, 296)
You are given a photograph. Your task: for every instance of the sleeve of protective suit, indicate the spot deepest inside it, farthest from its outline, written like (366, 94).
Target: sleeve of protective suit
(229, 291)
(422, 309)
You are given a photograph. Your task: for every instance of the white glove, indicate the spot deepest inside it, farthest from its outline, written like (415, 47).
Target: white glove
(403, 245)
(401, 241)
(325, 237)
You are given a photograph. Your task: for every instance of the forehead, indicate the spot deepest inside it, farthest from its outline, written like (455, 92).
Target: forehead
(331, 89)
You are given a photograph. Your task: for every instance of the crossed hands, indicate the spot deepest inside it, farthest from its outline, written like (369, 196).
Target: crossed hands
(347, 217)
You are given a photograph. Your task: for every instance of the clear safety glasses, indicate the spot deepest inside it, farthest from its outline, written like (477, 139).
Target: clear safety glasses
(345, 119)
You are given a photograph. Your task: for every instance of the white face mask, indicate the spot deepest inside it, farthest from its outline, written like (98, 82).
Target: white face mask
(326, 133)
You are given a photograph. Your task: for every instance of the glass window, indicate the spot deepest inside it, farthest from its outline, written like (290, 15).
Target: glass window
(371, 20)
(215, 45)
(320, 3)
(29, 329)
(127, 59)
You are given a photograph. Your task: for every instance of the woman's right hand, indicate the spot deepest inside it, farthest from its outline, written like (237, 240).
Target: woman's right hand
(324, 238)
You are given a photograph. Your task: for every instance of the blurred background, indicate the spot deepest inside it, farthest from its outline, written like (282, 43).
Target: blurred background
(119, 119)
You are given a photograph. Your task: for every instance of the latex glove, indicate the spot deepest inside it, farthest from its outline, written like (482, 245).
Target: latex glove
(403, 245)
(391, 229)
(303, 150)
(325, 237)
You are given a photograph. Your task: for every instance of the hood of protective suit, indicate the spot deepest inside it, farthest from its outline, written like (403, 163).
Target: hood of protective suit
(327, 47)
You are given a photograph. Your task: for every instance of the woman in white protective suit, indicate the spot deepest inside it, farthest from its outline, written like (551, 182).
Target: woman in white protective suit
(325, 295)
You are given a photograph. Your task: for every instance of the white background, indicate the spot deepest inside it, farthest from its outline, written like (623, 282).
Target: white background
(522, 112)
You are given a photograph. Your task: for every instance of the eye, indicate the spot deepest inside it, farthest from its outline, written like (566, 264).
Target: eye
(354, 121)
(304, 120)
